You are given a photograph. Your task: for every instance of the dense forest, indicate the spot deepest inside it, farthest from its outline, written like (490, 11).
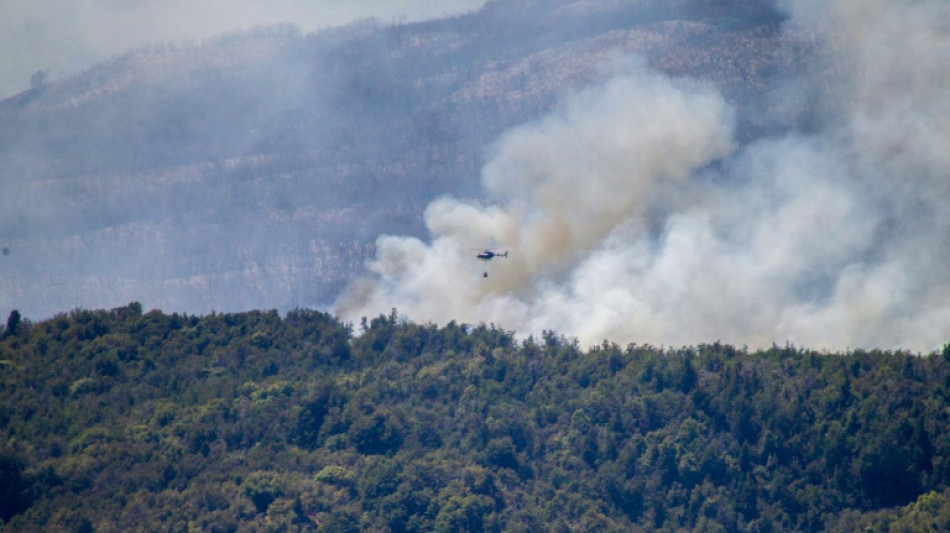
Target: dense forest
(124, 420)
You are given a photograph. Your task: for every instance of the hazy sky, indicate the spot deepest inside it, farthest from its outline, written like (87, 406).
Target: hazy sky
(65, 36)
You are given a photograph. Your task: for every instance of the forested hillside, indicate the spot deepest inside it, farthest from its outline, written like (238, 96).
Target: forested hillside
(119, 420)
(256, 170)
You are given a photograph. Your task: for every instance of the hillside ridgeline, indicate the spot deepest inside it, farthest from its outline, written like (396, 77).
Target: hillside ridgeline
(256, 170)
(119, 420)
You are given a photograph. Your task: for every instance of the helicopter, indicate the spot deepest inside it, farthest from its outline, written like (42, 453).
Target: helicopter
(488, 255)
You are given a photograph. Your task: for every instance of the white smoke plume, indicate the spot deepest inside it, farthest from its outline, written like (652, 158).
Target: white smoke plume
(620, 226)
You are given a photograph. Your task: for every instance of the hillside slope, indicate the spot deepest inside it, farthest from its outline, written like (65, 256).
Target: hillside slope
(121, 420)
(257, 169)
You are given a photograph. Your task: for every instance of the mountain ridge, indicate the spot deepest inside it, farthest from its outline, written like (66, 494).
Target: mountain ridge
(282, 145)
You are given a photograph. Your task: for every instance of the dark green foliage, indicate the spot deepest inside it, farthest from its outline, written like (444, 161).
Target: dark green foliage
(313, 413)
(262, 488)
(13, 322)
(374, 434)
(85, 526)
(121, 420)
(14, 490)
(340, 521)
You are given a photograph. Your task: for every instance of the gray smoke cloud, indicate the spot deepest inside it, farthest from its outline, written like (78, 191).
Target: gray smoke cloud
(65, 36)
(631, 214)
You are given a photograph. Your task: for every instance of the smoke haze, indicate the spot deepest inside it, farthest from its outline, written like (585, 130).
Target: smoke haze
(631, 213)
(66, 36)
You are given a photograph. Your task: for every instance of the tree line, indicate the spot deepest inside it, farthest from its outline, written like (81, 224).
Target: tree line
(124, 420)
